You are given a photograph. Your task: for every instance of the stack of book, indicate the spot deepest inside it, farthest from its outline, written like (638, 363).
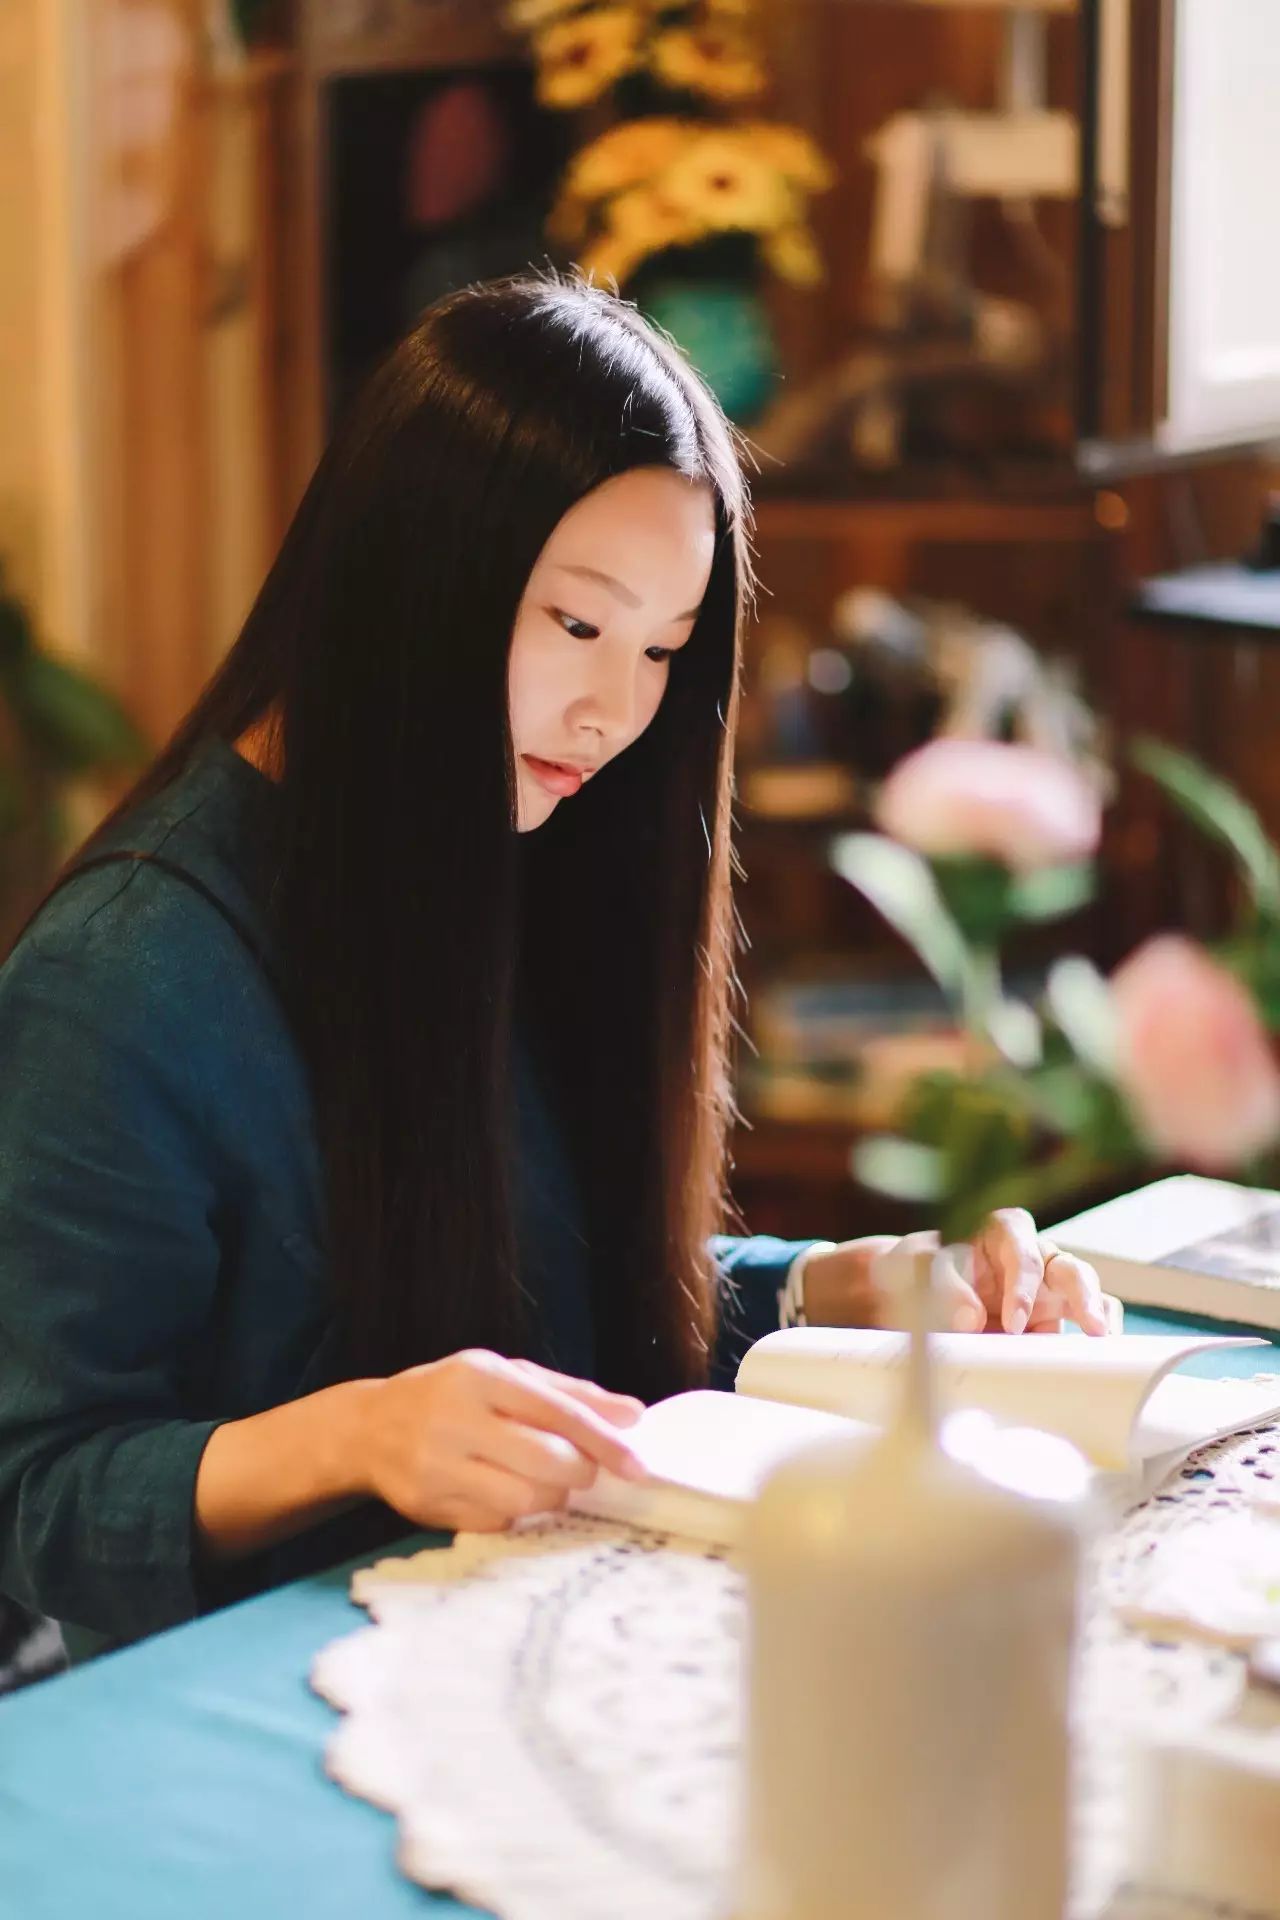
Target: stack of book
(1187, 1245)
(845, 1051)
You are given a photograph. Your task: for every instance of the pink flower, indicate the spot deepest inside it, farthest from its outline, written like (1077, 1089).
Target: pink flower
(1014, 804)
(1193, 1056)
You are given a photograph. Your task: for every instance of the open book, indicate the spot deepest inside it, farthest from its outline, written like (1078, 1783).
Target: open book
(1118, 1400)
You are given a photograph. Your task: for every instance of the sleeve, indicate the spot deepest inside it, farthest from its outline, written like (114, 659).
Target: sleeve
(108, 1275)
(752, 1274)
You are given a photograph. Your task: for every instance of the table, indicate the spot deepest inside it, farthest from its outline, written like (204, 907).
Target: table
(182, 1779)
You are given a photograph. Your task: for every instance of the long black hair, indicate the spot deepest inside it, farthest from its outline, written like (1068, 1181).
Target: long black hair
(411, 917)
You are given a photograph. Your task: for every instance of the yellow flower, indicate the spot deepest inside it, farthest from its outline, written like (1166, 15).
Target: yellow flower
(633, 151)
(607, 259)
(651, 219)
(717, 61)
(792, 152)
(792, 253)
(536, 13)
(579, 58)
(567, 222)
(641, 221)
(722, 183)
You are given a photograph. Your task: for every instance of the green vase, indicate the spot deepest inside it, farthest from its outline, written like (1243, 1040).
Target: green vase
(723, 328)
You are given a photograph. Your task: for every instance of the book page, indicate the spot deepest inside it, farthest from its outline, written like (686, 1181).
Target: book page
(1089, 1391)
(707, 1454)
(1184, 1412)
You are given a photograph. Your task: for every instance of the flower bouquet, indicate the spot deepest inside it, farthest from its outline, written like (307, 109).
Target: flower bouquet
(687, 195)
(1169, 1061)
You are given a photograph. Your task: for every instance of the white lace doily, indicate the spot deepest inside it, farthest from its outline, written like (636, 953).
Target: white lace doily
(554, 1715)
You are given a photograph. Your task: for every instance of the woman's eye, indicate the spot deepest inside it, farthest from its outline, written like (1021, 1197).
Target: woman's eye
(577, 629)
(660, 654)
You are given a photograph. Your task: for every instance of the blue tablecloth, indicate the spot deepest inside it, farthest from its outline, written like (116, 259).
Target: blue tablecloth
(182, 1779)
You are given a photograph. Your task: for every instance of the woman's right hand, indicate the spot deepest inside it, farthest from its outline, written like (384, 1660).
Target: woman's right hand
(475, 1441)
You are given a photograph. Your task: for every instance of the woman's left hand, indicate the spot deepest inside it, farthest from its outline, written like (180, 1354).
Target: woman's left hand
(1012, 1282)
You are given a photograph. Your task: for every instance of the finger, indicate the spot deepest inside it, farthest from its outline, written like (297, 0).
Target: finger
(1077, 1285)
(958, 1305)
(623, 1409)
(538, 1404)
(545, 1457)
(489, 1497)
(984, 1276)
(1047, 1313)
(1010, 1240)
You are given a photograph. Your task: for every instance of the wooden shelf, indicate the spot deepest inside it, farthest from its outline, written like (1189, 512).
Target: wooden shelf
(804, 826)
(451, 33)
(992, 521)
(815, 1150)
(794, 1179)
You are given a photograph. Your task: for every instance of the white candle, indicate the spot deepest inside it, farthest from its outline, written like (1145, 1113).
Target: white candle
(909, 1653)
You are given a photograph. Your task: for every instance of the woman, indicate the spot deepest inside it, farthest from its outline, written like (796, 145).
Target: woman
(347, 1135)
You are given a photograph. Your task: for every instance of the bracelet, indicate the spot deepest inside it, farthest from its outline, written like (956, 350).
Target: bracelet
(791, 1308)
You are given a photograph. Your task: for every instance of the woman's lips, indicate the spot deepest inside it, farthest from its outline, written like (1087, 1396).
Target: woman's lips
(564, 782)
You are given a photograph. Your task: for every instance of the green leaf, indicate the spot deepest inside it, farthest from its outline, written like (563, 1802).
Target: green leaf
(75, 724)
(979, 1127)
(987, 1143)
(1015, 1030)
(900, 885)
(1219, 810)
(929, 1103)
(1062, 1099)
(901, 1169)
(1044, 1189)
(1110, 1129)
(15, 632)
(1052, 893)
(1254, 957)
(977, 894)
(1080, 1001)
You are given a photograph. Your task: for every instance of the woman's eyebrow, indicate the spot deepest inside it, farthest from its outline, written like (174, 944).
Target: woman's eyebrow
(618, 590)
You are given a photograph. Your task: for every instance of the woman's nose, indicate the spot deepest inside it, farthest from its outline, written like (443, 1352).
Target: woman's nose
(612, 701)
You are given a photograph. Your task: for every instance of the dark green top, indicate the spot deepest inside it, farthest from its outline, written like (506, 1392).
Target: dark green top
(161, 1242)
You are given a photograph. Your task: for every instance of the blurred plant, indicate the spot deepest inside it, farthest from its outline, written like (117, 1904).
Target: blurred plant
(243, 19)
(987, 681)
(674, 172)
(1172, 1060)
(56, 726)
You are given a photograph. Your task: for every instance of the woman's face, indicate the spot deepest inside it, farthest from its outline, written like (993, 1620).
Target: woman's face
(613, 594)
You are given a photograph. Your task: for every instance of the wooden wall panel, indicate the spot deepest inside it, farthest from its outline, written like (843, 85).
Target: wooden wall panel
(191, 413)
(161, 454)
